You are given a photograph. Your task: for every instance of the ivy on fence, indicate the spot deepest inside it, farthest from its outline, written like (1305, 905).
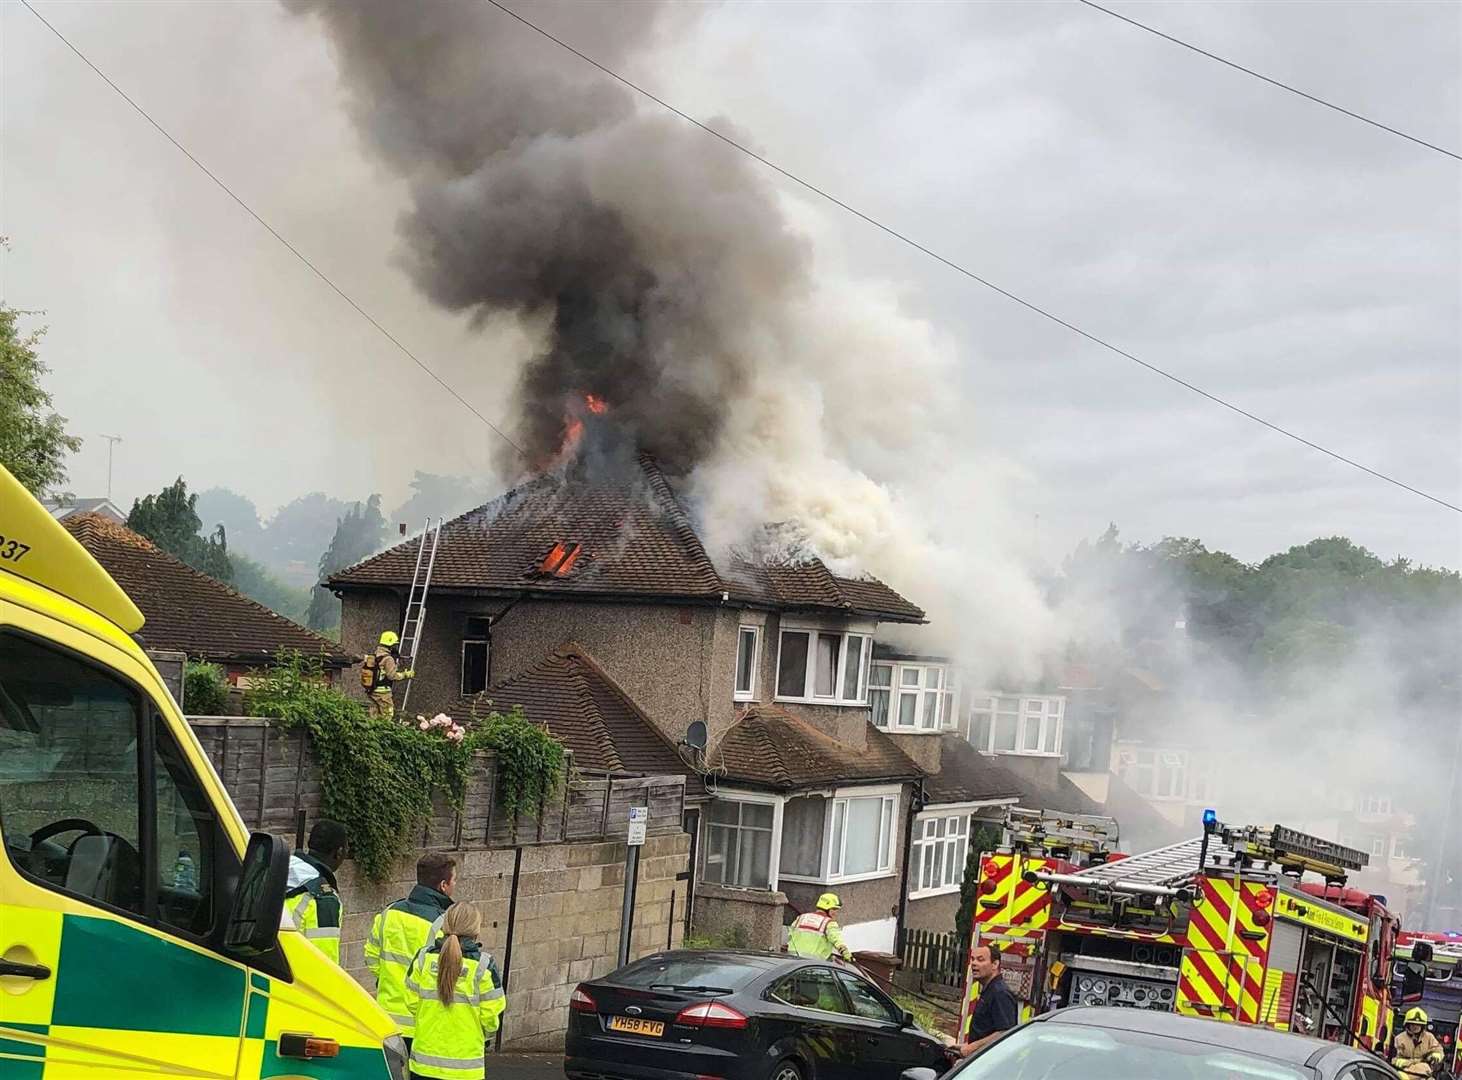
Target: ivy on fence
(379, 776)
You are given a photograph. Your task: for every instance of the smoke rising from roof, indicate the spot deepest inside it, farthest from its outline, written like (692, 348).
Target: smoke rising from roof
(662, 273)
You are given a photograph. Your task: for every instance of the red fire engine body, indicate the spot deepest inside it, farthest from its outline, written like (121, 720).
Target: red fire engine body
(1221, 926)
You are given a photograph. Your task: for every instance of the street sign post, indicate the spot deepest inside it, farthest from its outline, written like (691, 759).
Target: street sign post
(639, 822)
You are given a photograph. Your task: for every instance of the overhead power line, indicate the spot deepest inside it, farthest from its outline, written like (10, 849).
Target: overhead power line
(1272, 82)
(392, 338)
(957, 268)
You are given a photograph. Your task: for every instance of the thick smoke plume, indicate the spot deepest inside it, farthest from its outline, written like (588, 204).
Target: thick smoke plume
(662, 274)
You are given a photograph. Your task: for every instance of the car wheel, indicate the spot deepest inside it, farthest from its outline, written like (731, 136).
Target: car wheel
(786, 1070)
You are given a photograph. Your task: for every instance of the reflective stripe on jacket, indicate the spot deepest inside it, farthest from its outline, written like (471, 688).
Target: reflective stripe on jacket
(397, 935)
(816, 935)
(313, 901)
(449, 1037)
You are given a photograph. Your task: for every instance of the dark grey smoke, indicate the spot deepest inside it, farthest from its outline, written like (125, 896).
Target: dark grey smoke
(643, 247)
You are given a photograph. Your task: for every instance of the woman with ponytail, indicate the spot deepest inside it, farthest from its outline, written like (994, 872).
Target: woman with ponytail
(453, 994)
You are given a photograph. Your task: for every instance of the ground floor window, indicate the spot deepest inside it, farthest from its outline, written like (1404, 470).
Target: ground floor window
(739, 844)
(941, 846)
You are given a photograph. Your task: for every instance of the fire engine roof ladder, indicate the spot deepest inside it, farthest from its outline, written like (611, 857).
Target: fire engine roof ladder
(415, 620)
(1035, 831)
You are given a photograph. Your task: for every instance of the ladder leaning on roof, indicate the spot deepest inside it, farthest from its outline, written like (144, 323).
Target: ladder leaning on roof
(415, 619)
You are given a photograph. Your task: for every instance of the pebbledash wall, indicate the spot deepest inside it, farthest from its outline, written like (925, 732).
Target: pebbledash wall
(570, 875)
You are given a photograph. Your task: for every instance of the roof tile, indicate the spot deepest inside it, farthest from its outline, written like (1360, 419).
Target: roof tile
(769, 747)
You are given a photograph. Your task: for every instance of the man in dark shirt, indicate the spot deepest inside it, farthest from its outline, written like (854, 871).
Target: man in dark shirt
(996, 1011)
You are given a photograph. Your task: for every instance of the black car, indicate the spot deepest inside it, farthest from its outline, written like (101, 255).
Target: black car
(741, 1016)
(1101, 1043)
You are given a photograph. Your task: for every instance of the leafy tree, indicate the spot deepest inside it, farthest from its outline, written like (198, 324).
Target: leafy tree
(433, 496)
(298, 532)
(257, 583)
(33, 439)
(237, 514)
(170, 520)
(984, 838)
(360, 533)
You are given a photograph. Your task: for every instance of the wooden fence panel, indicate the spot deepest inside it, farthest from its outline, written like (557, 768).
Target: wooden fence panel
(272, 775)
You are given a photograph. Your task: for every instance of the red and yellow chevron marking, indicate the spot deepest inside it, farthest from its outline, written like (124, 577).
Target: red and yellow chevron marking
(1030, 904)
(1222, 974)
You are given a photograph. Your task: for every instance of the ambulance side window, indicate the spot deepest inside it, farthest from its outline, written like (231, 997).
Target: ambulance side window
(69, 790)
(186, 830)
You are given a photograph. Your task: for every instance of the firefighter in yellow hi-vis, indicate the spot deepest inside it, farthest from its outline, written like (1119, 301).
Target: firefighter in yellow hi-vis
(140, 923)
(816, 935)
(454, 999)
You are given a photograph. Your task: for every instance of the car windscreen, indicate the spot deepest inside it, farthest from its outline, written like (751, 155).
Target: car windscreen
(689, 972)
(1045, 1051)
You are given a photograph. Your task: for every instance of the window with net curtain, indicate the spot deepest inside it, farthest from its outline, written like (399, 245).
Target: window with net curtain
(803, 822)
(738, 844)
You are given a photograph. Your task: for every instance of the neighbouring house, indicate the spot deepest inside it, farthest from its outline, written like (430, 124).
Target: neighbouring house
(189, 612)
(64, 507)
(754, 665)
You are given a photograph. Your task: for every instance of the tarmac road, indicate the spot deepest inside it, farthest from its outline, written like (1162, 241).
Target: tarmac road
(525, 1066)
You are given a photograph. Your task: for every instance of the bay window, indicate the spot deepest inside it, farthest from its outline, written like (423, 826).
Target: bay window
(841, 836)
(739, 844)
(1156, 774)
(803, 826)
(823, 666)
(748, 654)
(912, 697)
(1009, 724)
(941, 846)
(862, 837)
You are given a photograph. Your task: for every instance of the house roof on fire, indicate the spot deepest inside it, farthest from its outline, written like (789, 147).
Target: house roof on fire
(568, 693)
(189, 611)
(768, 747)
(575, 536)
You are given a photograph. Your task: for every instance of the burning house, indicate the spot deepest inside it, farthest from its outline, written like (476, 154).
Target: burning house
(587, 597)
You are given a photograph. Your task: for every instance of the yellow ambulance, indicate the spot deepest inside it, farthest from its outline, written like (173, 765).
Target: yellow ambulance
(140, 923)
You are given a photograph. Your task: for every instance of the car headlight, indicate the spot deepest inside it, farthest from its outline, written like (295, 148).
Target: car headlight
(396, 1056)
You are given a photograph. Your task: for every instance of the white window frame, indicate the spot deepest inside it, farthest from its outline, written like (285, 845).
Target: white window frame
(984, 704)
(774, 859)
(946, 717)
(891, 797)
(924, 842)
(809, 683)
(737, 694)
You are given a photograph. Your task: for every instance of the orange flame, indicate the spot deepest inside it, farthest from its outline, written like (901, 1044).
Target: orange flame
(596, 404)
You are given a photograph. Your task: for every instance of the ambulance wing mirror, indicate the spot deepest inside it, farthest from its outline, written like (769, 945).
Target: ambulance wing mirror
(1413, 981)
(258, 903)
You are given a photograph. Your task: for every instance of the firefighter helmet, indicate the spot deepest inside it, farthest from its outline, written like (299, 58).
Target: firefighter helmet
(828, 901)
(389, 638)
(1417, 1015)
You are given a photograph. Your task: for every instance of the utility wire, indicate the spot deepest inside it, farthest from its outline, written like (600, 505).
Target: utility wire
(957, 268)
(274, 232)
(1272, 82)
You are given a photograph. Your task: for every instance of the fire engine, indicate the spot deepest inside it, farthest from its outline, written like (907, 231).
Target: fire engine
(1223, 926)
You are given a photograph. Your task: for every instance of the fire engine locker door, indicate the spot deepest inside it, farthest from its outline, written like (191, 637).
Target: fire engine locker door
(1316, 959)
(1283, 974)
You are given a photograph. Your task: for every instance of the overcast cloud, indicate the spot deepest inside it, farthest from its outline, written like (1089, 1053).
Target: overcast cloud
(1302, 264)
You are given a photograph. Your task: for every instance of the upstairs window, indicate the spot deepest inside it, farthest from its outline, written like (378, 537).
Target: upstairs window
(1157, 774)
(912, 697)
(748, 655)
(823, 666)
(1007, 724)
(475, 646)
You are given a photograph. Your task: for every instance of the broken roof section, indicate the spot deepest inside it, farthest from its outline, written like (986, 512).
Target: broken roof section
(767, 747)
(188, 611)
(570, 695)
(628, 538)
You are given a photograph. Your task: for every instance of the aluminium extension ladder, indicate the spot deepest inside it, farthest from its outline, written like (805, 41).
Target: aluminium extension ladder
(415, 620)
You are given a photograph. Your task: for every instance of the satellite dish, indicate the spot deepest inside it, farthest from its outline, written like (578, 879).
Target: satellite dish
(695, 735)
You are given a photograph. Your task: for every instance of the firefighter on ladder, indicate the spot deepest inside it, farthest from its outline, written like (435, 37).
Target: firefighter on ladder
(380, 672)
(816, 935)
(1417, 1052)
